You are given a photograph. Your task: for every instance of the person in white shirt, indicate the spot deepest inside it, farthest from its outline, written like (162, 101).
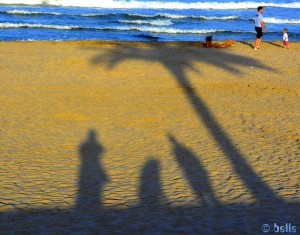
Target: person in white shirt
(259, 26)
(285, 38)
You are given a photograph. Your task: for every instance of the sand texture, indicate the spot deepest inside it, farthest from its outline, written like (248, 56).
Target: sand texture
(148, 138)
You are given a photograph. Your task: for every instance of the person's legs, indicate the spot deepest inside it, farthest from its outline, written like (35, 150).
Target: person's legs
(259, 41)
(256, 43)
(258, 37)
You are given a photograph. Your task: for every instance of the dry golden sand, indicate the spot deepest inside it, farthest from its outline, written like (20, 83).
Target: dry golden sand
(159, 101)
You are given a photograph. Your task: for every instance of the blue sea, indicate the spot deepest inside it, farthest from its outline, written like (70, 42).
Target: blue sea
(144, 20)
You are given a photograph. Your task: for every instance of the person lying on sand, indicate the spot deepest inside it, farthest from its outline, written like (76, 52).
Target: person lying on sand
(208, 43)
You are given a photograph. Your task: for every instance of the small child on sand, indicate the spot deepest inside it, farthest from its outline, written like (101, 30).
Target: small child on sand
(285, 39)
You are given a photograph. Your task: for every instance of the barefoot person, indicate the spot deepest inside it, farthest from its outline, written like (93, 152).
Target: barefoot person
(285, 38)
(259, 26)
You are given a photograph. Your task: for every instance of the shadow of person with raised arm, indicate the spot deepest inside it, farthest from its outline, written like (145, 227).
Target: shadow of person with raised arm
(199, 180)
(195, 173)
(261, 191)
(178, 66)
(92, 176)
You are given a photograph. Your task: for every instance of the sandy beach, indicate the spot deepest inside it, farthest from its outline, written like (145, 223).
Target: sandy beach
(148, 138)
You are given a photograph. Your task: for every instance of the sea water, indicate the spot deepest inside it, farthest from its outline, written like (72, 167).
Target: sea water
(144, 20)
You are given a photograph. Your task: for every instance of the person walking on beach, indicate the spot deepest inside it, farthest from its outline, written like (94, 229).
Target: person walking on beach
(285, 38)
(259, 26)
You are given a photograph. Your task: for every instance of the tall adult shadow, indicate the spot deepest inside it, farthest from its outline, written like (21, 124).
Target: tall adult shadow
(233, 218)
(92, 176)
(165, 53)
(195, 173)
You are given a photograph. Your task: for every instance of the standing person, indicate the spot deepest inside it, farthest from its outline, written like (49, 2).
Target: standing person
(285, 38)
(259, 26)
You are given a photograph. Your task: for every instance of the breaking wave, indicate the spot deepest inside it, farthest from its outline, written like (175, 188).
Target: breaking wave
(125, 15)
(271, 20)
(118, 28)
(134, 4)
(150, 22)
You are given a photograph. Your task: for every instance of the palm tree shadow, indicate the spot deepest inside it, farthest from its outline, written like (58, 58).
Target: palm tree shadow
(91, 216)
(178, 66)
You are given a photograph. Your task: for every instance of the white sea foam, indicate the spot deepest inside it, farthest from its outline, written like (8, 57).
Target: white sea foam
(174, 16)
(20, 25)
(271, 20)
(166, 30)
(133, 4)
(150, 22)
(119, 28)
(170, 16)
(142, 28)
(216, 17)
(22, 12)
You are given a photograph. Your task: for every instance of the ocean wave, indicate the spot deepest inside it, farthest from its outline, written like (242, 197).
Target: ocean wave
(148, 29)
(150, 22)
(23, 12)
(134, 4)
(167, 30)
(40, 26)
(125, 15)
(216, 17)
(174, 16)
(141, 28)
(271, 20)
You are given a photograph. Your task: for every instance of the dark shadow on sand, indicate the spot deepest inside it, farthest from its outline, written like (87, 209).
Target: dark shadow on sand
(164, 54)
(275, 44)
(151, 216)
(150, 192)
(92, 177)
(196, 174)
(247, 44)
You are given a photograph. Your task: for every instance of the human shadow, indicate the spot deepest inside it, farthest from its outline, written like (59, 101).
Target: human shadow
(247, 44)
(165, 54)
(92, 176)
(275, 44)
(150, 192)
(152, 215)
(195, 174)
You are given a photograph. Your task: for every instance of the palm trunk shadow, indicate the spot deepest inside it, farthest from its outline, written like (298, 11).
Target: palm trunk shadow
(259, 189)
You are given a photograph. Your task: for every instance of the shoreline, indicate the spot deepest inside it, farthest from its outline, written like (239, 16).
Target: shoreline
(199, 44)
(241, 41)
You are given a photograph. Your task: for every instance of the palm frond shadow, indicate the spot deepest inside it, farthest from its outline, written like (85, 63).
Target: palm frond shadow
(165, 54)
(151, 216)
